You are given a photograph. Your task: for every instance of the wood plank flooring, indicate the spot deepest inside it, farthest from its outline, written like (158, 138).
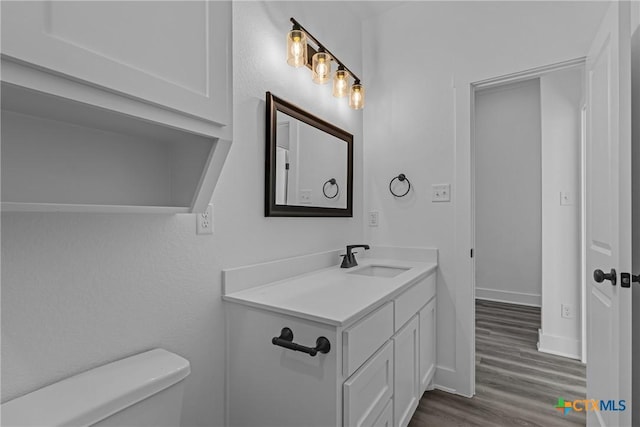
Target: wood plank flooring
(516, 385)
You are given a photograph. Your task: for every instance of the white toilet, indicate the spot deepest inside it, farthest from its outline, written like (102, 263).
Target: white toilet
(139, 391)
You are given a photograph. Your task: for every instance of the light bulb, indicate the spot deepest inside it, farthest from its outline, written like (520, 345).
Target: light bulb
(356, 98)
(296, 48)
(341, 83)
(321, 67)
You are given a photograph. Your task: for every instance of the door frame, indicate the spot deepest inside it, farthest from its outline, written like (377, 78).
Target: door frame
(474, 87)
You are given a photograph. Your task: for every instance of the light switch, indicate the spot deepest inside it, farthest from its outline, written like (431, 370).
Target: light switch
(566, 198)
(373, 218)
(441, 193)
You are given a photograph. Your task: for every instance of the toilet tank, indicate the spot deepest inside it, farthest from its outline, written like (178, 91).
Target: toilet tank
(141, 390)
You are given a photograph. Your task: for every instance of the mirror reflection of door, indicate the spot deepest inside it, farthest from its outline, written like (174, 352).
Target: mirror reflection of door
(282, 163)
(286, 160)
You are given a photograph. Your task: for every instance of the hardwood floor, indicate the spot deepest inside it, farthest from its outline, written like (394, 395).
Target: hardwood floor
(516, 385)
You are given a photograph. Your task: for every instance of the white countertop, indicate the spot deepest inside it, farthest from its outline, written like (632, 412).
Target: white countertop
(333, 295)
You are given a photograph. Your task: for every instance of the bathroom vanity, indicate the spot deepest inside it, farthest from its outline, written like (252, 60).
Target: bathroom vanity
(380, 323)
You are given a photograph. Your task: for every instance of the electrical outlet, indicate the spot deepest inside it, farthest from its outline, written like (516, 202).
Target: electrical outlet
(567, 311)
(306, 197)
(373, 218)
(441, 193)
(204, 221)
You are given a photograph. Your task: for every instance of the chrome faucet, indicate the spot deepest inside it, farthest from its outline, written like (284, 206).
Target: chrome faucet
(349, 259)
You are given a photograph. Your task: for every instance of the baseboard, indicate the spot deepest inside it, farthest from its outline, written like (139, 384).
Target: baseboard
(443, 388)
(445, 379)
(559, 346)
(509, 297)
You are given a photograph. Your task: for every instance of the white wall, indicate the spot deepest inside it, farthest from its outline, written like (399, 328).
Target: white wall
(507, 147)
(561, 96)
(419, 61)
(79, 290)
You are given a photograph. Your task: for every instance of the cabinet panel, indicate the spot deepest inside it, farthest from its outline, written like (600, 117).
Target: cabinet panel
(406, 373)
(274, 386)
(386, 418)
(362, 339)
(170, 53)
(410, 302)
(427, 344)
(369, 389)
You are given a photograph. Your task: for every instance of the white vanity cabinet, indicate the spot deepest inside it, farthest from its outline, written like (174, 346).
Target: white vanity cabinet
(379, 364)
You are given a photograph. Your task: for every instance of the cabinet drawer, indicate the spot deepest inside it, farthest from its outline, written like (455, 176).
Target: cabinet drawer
(411, 301)
(369, 390)
(361, 340)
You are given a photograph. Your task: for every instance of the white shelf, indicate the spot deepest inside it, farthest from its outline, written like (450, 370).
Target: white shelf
(58, 207)
(63, 155)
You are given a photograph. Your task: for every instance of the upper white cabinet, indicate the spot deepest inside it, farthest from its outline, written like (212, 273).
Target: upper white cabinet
(174, 54)
(114, 106)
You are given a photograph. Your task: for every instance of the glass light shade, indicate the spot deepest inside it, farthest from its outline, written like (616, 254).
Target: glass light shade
(341, 83)
(296, 48)
(321, 67)
(356, 97)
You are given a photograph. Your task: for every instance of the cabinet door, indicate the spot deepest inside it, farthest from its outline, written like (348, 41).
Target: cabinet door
(427, 344)
(406, 373)
(174, 54)
(386, 418)
(368, 390)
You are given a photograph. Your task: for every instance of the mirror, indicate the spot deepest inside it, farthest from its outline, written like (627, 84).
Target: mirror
(309, 164)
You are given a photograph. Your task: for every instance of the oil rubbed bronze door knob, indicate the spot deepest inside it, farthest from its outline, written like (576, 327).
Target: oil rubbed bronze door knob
(600, 276)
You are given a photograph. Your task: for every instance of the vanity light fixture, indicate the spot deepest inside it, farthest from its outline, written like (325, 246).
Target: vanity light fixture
(300, 52)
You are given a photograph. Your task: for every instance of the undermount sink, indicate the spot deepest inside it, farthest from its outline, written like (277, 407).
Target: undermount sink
(379, 271)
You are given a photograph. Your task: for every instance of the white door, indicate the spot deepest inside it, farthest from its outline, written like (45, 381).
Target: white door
(608, 217)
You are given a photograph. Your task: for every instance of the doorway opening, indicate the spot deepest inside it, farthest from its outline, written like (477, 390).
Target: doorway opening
(527, 218)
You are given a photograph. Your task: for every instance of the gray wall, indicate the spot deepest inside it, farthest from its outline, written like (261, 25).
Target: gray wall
(508, 193)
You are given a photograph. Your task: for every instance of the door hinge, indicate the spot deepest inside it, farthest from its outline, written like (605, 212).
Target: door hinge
(471, 252)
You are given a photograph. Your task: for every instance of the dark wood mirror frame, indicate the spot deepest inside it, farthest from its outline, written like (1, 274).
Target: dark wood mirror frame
(275, 104)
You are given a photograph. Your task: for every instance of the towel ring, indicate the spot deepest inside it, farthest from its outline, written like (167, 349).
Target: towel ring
(332, 181)
(402, 177)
